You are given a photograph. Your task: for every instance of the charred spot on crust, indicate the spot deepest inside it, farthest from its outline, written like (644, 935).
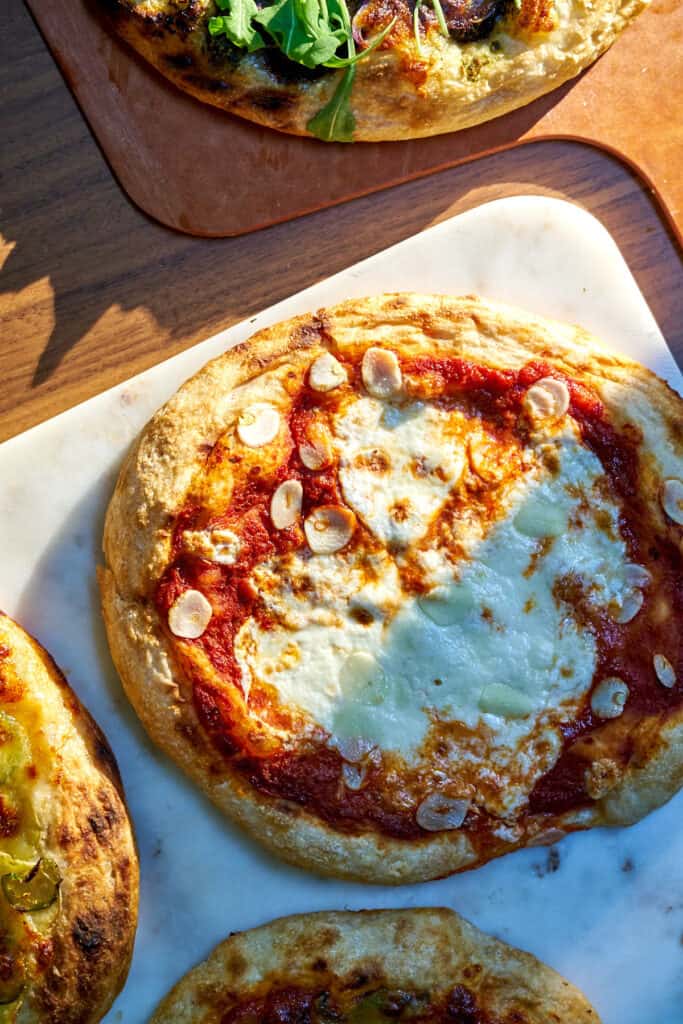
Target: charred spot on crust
(209, 84)
(222, 51)
(288, 71)
(179, 60)
(461, 1007)
(469, 20)
(105, 758)
(88, 934)
(271, 100)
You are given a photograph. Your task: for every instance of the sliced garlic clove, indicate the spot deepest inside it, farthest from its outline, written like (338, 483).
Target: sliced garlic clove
(353, 749)
(631, 603)
(609, 697)
(547, 838)
(672, 499)
(326, 373)
(313, 456)
(501, 699)
(437, 812)
(285, 505)
(329, 528)
(381, 373)
(547, 399)
(636, 576)
(353, 776)
(189, 615)
(664, 671)
(258, 424)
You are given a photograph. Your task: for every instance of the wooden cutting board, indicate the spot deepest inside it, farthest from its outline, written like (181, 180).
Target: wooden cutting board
(204, 172)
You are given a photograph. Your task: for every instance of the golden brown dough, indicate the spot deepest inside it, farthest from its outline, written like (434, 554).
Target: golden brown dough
(60, 773)
(413, 958)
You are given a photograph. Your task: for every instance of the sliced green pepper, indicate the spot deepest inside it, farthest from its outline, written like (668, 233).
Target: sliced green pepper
(35, 891)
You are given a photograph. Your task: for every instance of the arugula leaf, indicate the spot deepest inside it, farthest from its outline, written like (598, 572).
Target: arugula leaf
(345, 62)
(438, 10)
(237, 24)
(416, 26)
(335, 122)
(300, 31)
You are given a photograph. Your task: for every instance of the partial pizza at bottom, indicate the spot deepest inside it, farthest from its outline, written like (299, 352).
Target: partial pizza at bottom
(371, 967)
(400, 584)
(68, 866)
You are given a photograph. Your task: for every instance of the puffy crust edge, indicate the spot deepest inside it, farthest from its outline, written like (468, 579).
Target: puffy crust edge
(90, 837)
(386, 102)
(426, 948)
(152, 485)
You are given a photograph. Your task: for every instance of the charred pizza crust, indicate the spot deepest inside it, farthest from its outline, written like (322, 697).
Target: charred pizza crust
(419, 964)
(75, 952)
(151, 491)
(500, 55)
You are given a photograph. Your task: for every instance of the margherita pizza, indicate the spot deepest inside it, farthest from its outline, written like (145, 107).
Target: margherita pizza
(68, 866)
(372, 967)
(375, 69)
(400, 584)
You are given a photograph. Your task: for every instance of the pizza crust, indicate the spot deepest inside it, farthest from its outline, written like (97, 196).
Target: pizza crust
(152, 486)
(397, 94)
(89, 836)
(409, 950)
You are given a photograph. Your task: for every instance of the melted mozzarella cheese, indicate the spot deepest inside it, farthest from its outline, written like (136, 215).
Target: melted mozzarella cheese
(422, 458)
(492, 646)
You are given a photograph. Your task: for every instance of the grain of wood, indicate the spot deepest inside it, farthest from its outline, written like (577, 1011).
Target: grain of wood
(92, 291)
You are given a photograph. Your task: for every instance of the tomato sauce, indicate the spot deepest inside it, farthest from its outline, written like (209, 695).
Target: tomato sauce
(311, 777)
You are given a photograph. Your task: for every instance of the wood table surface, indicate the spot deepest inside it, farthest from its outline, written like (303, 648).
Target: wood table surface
(92, 291)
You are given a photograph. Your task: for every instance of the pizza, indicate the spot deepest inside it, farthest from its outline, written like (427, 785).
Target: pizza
(68, 866)
(369, 967)
(399, 584)
(371, 70)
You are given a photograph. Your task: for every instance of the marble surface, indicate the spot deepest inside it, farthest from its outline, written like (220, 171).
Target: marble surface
(605, 908)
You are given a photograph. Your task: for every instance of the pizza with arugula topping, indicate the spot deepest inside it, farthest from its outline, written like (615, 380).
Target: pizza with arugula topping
(372, 967)
(370, 70)
(68, 866)
(400, 584)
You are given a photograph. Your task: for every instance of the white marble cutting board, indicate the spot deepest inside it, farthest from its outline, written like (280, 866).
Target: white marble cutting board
(604, 908)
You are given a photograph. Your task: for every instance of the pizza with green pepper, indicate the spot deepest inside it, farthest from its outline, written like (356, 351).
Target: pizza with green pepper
(373, 967)
(399, 583)
(68, 866)
(370, 70)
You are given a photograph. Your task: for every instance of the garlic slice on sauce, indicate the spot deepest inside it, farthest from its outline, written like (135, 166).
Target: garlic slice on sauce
(636, 576)
(285, 505)
(438, 812)
(258, 424)
(326, 373)
(547, 399)
(631, 604)
(353, 749)
(664, 671)
(189, 615)
(381, 373)
(353, 776)
(609, 697)
(329, 528)
(672, 499)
